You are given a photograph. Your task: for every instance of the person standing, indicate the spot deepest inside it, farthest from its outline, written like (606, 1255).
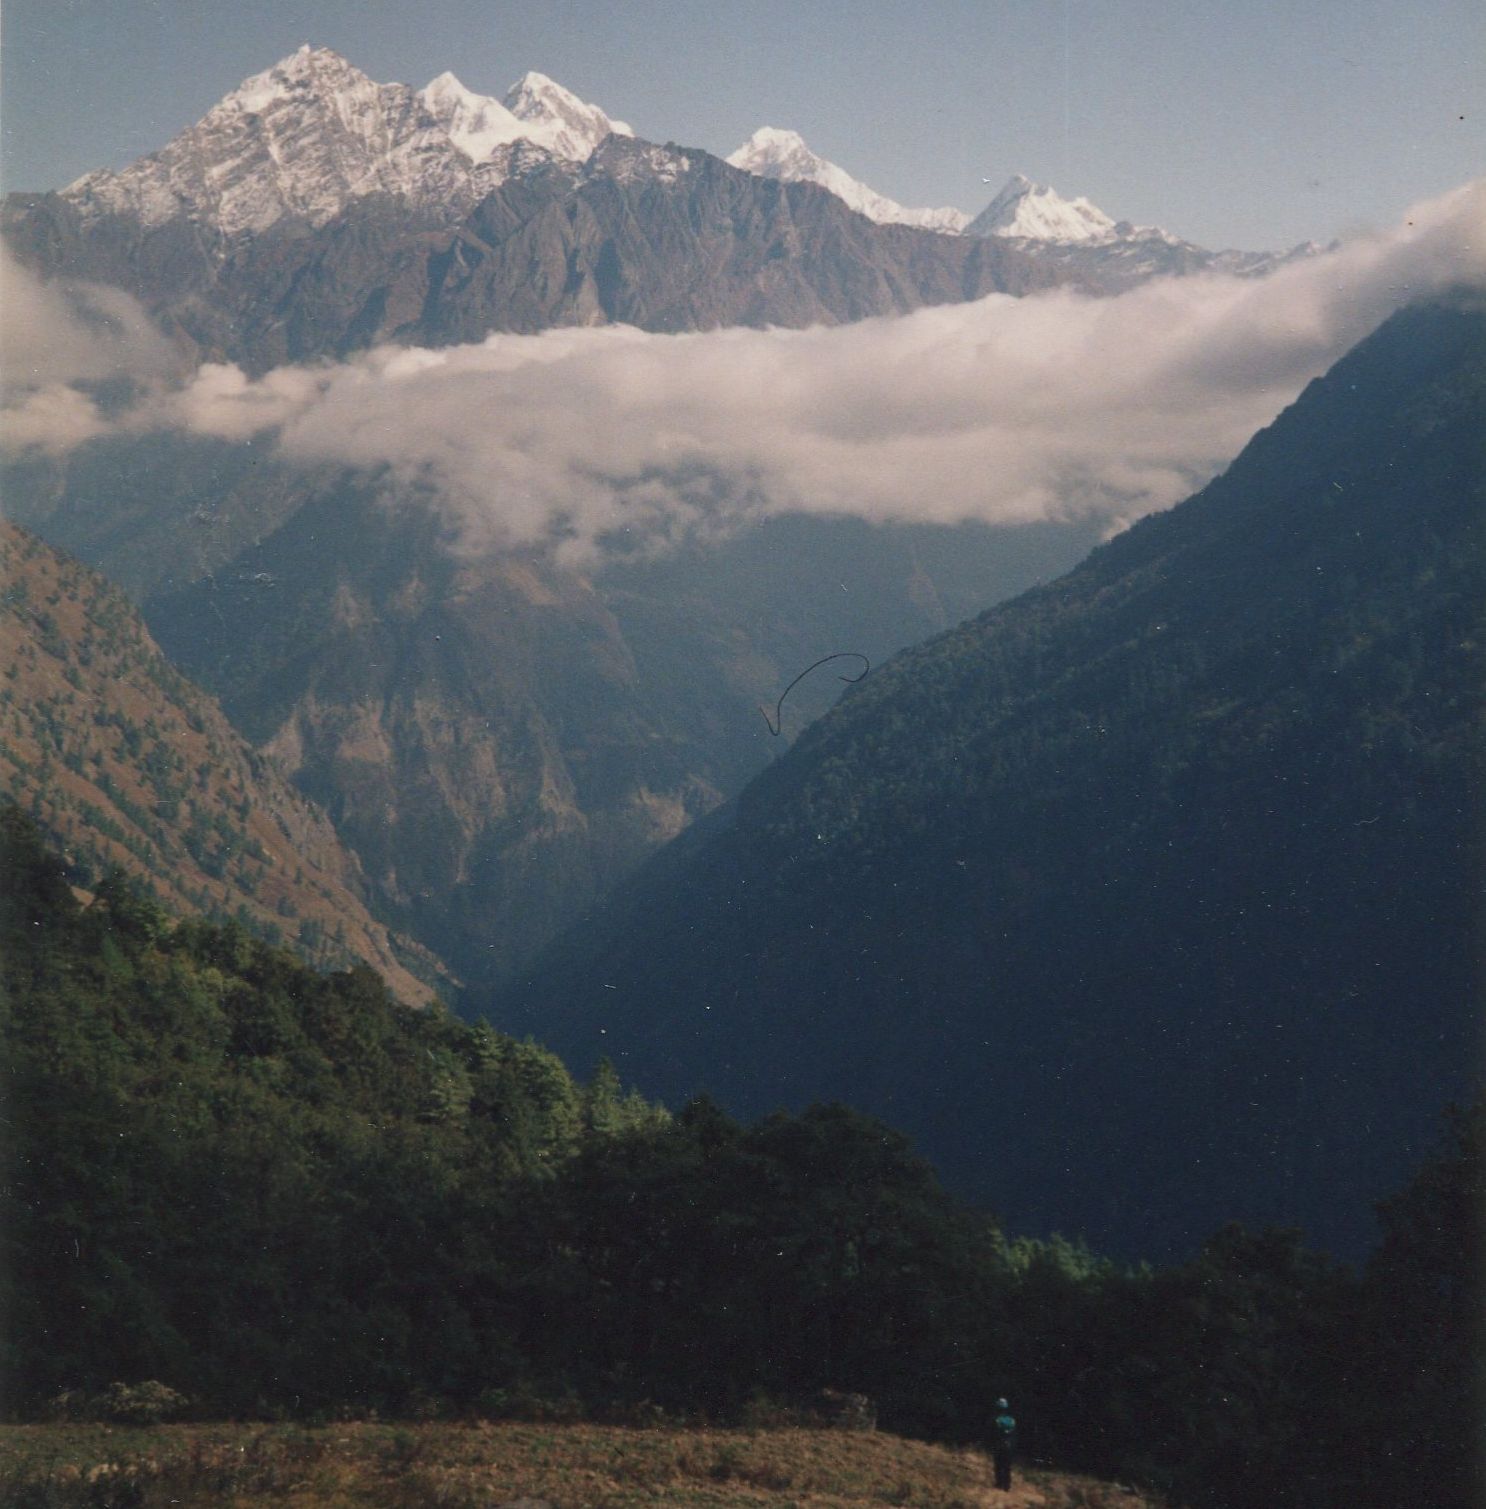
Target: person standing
(1003, 1443)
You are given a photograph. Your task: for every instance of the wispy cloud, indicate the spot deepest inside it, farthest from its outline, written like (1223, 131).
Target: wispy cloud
(58, 340)
(1005, 410)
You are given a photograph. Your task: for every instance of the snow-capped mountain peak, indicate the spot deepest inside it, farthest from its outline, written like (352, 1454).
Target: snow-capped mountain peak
(779, 151)
(775, 153)
(555, 118)
(308, 65)
(1038, 213)
(477, 123)
(306, 138)
(1078, 234)
(535, 109)
(312, 133)
(301, 138)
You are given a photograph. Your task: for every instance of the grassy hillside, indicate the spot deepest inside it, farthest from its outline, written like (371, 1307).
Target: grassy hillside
(486, 1466)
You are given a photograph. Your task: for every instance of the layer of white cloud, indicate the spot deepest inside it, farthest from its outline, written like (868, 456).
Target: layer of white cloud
(56, 336)
(1004, 410)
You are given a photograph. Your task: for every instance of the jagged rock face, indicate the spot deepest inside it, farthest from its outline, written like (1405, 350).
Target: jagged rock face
(125, 763)
(301, 139)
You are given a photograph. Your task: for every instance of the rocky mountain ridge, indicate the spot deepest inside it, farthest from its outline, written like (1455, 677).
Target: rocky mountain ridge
(313, 212)
(312, 134)
(665, 238)
(773, 153)
(1073, 232)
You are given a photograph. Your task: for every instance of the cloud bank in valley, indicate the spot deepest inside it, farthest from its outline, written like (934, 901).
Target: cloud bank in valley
(1005, 410)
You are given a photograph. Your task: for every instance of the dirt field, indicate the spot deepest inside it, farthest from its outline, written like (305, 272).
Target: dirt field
(508, 1466)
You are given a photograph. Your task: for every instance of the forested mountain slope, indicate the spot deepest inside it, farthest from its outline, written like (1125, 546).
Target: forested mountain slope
(1149, 896)
(129, 765)
(249, 1190)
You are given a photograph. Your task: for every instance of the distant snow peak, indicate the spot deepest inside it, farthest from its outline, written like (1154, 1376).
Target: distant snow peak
(535, 109)
(555, 118)
(477, 124)
(1078, 234)
(1037, 213)
(776, 149)
(302, 138)
(772, 152)
(312, 133)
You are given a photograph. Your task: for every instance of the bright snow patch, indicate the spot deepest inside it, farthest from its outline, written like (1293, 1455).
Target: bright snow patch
(773, 153)
(1035, 211)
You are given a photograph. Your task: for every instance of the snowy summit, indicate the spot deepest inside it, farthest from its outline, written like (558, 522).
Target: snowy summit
(535, 109)
(773, 153)
(309, 135)
(306, 138)
(1037, 213)
(1023, 209)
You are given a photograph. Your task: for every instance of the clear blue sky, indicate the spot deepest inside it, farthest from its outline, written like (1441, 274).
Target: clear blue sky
(1252, 123)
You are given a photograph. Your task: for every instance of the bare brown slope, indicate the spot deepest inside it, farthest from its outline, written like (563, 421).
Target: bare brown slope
(575, 1466)
(127, 763)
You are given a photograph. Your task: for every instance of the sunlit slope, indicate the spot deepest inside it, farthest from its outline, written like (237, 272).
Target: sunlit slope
(125, 763)
(577, 1466)
(1146, 900)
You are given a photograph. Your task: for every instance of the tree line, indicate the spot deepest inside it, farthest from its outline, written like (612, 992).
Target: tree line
(281, 1192)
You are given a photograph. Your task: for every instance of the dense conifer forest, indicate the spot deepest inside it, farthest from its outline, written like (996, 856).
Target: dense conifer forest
(284, 1194)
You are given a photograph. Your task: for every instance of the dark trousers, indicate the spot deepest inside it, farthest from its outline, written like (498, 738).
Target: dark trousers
(1001, 1457)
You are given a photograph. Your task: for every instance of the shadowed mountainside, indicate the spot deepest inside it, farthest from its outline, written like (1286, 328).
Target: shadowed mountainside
(1146, 899)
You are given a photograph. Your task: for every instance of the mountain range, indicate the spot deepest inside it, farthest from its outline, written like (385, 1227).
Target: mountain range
(1146, 900)
(313, 212)
(500, 729)
(1096, 250)
(309, 136)
(496, 739)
